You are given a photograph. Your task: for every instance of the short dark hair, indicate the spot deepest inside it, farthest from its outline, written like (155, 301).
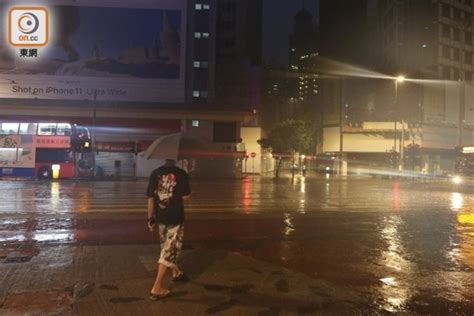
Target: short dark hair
(170, 161)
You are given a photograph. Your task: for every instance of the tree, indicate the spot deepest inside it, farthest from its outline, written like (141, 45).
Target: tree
(289, 137)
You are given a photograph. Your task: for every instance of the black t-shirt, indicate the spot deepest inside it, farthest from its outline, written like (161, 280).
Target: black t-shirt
(167, 185)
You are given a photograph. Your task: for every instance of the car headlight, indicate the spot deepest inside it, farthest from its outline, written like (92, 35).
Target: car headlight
(456, 179)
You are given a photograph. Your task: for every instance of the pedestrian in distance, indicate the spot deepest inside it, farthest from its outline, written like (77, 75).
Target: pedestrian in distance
(168, 187)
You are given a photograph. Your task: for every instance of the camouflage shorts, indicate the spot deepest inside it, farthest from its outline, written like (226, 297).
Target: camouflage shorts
(171, 241)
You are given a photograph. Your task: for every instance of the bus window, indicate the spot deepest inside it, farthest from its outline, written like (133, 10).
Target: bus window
(24, 152)
(28, 128)
(47, 129)
(7, 156)
(63, 129)
(9, 128)
(49, 155)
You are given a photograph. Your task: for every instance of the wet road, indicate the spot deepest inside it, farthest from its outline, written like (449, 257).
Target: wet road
(403, 246)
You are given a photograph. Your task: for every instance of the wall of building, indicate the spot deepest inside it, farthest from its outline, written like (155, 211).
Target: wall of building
(370, 143)
(444, 137)
(204, 130)
(250, 136)
(115, 164)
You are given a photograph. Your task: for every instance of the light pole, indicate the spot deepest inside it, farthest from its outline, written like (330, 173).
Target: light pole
(341, 128)
(93, 144)
(464, 25)
(399, 79)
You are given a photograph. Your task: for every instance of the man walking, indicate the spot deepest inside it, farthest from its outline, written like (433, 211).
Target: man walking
(167, 189)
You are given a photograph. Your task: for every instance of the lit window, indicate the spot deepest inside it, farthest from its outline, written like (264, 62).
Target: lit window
(63, 129)
(198, 6)
(197, 64)
(205, 6)
(195, 123)
(205, 35)
(47, 129)
(9, 128)
(197, 34)
(196, 94)
(28, 128)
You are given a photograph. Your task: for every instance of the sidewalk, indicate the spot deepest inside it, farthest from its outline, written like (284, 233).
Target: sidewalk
(115, 280)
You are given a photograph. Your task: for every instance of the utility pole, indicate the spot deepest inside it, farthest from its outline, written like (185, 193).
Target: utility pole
(93, 145)
(398, 80)
(462, 106)
(464, 26)
(341, 129)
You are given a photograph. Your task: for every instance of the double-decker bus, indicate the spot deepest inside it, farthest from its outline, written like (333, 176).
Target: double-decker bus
(40, 149)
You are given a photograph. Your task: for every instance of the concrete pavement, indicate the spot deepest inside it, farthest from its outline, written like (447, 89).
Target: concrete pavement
(115, 280)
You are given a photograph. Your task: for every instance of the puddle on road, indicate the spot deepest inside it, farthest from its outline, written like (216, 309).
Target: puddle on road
(53, 236)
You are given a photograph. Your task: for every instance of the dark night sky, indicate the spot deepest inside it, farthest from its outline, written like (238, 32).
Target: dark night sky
(278, 24)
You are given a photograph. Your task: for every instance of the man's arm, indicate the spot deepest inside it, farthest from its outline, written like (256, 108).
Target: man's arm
(150, 193)
(151, 207)
(186, 187)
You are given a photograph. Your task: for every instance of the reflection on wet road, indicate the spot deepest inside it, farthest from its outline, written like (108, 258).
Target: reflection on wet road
(404, 246)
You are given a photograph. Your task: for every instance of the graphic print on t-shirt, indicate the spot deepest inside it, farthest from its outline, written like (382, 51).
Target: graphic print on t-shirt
(166, 184)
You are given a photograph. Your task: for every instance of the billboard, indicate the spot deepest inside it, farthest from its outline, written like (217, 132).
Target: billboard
(17, 151)
(111, 50)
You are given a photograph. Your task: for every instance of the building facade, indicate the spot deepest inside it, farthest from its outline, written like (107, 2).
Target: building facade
(430, 43)
(291, 90)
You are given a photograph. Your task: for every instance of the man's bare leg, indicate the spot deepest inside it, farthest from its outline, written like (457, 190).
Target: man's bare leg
(176, 272)
(158, 286)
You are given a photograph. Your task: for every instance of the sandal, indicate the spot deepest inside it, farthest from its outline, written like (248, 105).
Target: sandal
(181, 278)
(157, 297)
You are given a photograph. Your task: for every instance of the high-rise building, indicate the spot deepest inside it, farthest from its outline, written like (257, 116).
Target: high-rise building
(344, 33)
(343, 30)
(431, 44)
(303, 46)
(238, 53)
(430, 40)
(291, 89)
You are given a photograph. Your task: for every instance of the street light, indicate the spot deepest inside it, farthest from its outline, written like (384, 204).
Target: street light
(93, 142)
(341, 121)
(464, 25)
(399, 79)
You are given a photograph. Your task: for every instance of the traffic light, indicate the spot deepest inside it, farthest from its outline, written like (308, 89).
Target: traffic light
(80, 140)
